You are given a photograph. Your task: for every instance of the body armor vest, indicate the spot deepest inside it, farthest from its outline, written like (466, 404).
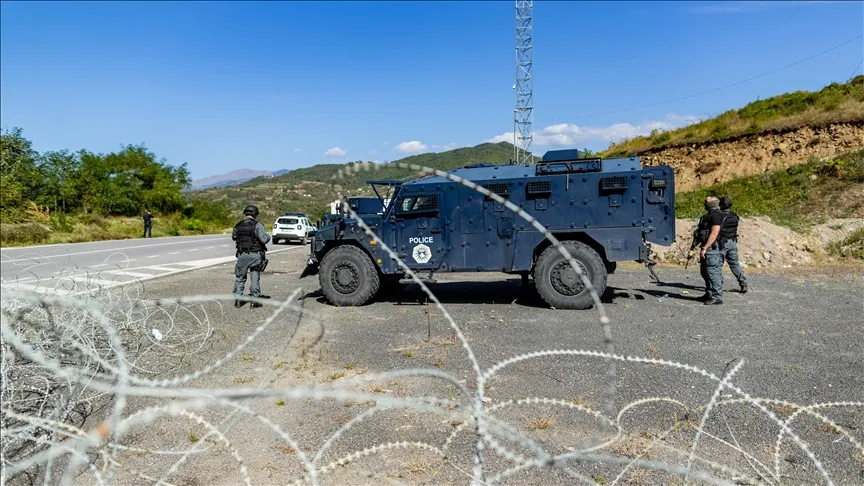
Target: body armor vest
(729, 229)
(703, 230)
(246, 238)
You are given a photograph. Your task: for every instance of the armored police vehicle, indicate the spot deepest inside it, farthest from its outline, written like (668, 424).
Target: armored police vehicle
(602, 210)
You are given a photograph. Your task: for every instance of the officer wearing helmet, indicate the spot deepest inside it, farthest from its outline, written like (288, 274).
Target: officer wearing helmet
(250, 238)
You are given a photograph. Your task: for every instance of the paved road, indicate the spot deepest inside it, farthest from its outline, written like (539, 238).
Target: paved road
(798, 335)
(71, 268)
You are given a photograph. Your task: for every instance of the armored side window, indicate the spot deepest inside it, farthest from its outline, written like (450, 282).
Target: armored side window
(499, 188)
(420, 203)
(539, 188)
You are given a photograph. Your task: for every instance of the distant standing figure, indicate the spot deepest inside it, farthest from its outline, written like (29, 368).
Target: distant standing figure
(729, 241)
(710, 258)
(148, 227)
(250, 239)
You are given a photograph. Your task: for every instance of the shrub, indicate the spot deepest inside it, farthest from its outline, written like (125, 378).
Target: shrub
(193, 225)
(60, 222)
(851, 247)
(209, 212)
(23, 233)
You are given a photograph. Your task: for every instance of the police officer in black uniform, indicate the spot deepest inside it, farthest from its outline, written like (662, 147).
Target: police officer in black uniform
(729, 241)
(710, 257)
(250, 239)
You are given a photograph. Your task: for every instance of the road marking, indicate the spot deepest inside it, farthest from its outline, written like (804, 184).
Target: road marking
(153, 256)
(115, 263)
(193, 249)
(115, 250)
(174, 253)
(36, 288)
(93, 281)
(129, 273)
(190, 266)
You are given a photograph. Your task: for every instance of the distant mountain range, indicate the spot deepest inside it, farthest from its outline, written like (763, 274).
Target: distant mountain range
(310, 190)
(233, 178)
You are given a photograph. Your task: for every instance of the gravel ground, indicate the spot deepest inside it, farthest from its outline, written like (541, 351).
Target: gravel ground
(799, 337)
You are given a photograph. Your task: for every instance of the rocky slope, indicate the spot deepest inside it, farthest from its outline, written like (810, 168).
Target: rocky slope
(764, 244)
(703, 165)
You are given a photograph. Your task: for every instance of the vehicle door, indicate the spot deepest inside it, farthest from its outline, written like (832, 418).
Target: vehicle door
(658, 204)
(419, 240)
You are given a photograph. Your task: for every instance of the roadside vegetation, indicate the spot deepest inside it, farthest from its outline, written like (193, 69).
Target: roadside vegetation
(835, 103)
(852, 246)
(72, 197)
(797, 197)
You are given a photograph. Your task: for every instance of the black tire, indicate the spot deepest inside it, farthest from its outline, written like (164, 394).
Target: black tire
(559, 285)
(275, 241)
(348, 277)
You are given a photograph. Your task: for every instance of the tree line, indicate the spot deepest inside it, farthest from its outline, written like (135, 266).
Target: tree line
(121, 183)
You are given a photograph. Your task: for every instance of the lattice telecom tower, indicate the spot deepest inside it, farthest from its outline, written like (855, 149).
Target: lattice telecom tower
(523, 115)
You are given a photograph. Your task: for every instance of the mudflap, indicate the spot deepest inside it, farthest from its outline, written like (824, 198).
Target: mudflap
(311, 268)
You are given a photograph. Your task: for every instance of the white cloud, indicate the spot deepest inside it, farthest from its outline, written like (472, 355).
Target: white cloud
(411, 147)
(449, 146)
(335, 152)
(297, 150)
(373, 152)
(569, 134)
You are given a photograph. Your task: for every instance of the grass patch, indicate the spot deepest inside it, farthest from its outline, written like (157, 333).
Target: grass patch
(541, 423)
(796, 197)
(81, 228)
(850, 247)
(835, 103)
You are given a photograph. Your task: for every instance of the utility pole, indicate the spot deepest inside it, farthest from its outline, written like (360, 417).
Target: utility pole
(523, 115)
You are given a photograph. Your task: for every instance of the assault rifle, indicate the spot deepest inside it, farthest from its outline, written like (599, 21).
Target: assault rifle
(693, 246)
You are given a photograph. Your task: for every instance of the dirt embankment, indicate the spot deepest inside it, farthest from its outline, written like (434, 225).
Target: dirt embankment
(703, 165)
(764, 244)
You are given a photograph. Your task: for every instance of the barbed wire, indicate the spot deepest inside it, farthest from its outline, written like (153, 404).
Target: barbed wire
(83, 371)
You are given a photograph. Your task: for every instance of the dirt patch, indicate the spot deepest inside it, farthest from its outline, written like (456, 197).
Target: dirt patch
(764, 244)
(704, 165)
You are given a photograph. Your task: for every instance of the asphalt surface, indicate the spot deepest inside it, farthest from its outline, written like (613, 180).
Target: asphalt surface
(799, 338)
(69, 268)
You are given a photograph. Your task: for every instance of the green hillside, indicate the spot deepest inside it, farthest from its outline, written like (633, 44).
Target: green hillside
(311, 190)
(797, 197)
(835, 103)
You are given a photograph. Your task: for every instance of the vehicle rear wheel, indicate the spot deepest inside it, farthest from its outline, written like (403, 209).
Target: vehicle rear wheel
(559, 285)
(348, 277)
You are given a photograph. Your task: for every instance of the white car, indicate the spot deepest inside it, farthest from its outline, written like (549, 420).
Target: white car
(292, 227)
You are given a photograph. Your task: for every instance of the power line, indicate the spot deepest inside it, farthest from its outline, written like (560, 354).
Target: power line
(856, 68)
(721, 87)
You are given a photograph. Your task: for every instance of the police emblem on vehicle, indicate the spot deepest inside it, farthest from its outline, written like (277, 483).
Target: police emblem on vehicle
(421, 254)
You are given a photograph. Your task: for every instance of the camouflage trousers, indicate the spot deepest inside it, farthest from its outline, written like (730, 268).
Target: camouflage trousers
(711, 268)
(248, 262)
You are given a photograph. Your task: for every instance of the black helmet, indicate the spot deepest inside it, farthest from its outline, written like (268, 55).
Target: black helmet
(725, 202)
(251, 210)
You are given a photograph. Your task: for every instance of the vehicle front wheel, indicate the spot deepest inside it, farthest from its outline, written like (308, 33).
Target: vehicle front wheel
(348, 277)
(559, 285)
(275, 241)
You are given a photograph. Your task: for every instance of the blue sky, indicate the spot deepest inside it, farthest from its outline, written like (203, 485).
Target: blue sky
(270, 85)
